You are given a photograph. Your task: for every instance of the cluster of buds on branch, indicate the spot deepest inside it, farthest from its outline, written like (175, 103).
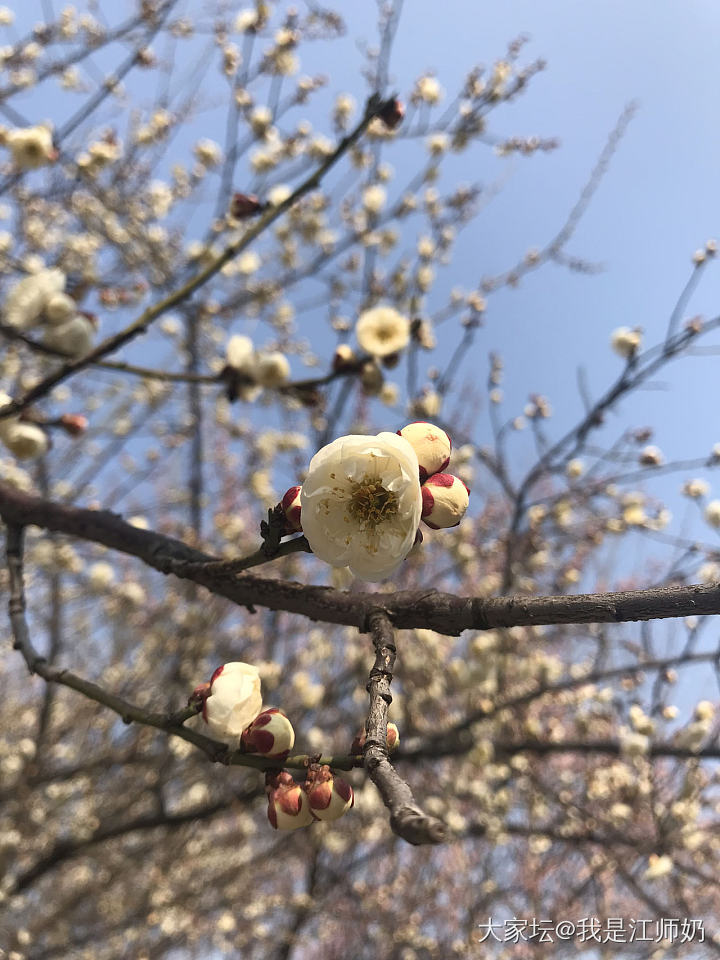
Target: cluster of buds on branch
(230, 711)
(364, 497)
(323, 796)
(40, 300)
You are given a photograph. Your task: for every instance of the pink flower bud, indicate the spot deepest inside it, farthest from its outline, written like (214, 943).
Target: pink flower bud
(244, 205)
(288, 805)
(393, 739)
(444, 501)
(290, 504)
(329, 796)
(431, 444)
(270, 734)
(392, 113)
(74, 424)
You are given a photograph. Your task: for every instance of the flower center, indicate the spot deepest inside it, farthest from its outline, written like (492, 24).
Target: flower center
(370, 503)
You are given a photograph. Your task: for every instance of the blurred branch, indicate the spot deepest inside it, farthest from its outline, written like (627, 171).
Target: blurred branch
(68, 369)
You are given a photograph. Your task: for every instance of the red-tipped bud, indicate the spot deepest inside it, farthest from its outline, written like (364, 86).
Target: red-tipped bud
(444, 501)
(245, 205)
(393, 739)
(344, 357)
(75, 424)
(392, 113)
(431, 444)
(288, 804)
(290, 504)
(270, 734)
(329, 796)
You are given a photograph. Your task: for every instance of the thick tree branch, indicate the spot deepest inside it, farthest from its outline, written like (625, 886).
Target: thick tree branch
(442, 612)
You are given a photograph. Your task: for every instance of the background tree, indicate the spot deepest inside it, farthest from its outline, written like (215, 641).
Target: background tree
(185, 267)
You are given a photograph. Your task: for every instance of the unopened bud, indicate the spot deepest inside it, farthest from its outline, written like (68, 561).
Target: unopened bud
(290, 504)
(391, 360)
(393, 739)
(75, 424)
(245, 205)
(270, 734)
(288, 804)
(329, 796)
(445, 499)
(431, 445)
(371, 379)
(392, 113)
(344, 357)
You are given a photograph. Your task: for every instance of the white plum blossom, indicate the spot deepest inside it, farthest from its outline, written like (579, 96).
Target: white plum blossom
(373, 198)
(31, 147)
(26, 441)
(382, 331)
(29, 297)
(208, 152)
(428, 89)
(272, 369)
(59, 308)
(361, 504)
(626, 342)
(233, 701)
(712, 513)
(240, 353)
(74, 337)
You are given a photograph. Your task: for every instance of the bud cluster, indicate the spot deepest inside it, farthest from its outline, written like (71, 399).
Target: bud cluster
(445, 498)
(323, 796)
(229, 708)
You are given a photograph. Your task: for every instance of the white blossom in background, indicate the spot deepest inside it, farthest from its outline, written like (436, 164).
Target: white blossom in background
(31, 147)
(272, 369)
(651, 456)
(428, 90)
(74, 337)
(373, 198)
(382, 331)
(626, 342)
(233, 701)
(208, 152)
(29, 297)
(6, 422)
(712, 513)
(240, 353)
(26, 441)
(59, 308)
(361, 504)
(696, 488)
